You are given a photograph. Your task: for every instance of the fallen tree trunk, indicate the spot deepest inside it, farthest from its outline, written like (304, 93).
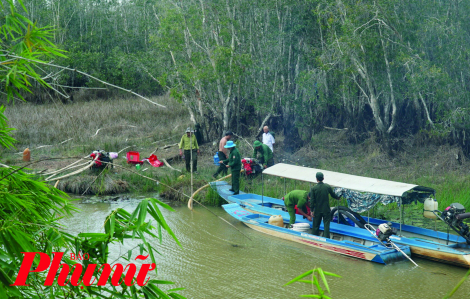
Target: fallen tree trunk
(168, 164)
(51, 178)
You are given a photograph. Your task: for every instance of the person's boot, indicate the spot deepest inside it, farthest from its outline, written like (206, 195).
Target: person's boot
(230, 189)
(235, 193)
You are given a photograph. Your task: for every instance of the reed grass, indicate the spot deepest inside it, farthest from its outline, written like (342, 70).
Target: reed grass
(121, 122)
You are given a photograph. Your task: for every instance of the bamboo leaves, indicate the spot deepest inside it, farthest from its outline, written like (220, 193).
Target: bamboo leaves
(317, 275)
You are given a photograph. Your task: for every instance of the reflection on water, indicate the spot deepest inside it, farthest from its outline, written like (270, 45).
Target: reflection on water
(216, 261)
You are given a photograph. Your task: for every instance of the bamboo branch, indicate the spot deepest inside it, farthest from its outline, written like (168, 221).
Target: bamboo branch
(85, 74)
(169, 166)
(329, 128)
(67, 167)
(125, 148)
(75, 172)
(131, 126)
(84, 192)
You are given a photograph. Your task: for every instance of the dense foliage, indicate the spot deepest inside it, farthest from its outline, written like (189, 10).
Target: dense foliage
(391, 68)
(30, 209)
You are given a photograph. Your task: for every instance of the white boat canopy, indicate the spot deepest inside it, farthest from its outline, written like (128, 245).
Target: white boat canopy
(342, 180)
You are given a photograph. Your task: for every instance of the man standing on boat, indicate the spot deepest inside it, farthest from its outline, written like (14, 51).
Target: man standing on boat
(320, 205)
(222, 153)
(235, 163)
(266, 154)
(299, 198)
(188, 143)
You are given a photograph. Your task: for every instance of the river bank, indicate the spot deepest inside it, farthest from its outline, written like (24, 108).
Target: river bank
(65, 133)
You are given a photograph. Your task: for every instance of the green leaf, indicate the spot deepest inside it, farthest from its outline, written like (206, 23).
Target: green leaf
(111, 225)
(300, 277)
(322, 275)
(161, 281)
(142, 212)
(176, 289)
(331, 274)
(176, 296)
(92, 235)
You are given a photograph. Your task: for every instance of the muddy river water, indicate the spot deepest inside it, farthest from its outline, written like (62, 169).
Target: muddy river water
(216, 261)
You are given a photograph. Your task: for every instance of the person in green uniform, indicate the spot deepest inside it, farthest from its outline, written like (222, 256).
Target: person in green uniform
(299, 198)
(320, 205)
(266, 154)
(188, 143)
(235, 163)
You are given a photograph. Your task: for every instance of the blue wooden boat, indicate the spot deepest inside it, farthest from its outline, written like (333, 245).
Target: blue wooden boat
(431, 244)
(354, 242)
(425, 243)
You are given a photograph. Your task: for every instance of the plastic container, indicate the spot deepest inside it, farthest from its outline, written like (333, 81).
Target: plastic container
(430, 205)
(276, 220)
(27, 155)
(216, 159)
(137, 166)
(134, 158)
(301, 227)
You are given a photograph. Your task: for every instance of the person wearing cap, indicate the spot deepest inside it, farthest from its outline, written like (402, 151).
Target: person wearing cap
(299, 198)
(266, 153)
(320, 205)
(234, 162)
(188, 143)
(223, 154)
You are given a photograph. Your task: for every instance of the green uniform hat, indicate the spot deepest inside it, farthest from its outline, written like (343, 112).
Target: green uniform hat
(319, 176)
(257, 143)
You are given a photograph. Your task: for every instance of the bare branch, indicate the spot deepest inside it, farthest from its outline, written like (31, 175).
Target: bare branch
(83, 73)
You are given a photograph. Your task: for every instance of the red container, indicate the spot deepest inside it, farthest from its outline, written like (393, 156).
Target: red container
(134, 158)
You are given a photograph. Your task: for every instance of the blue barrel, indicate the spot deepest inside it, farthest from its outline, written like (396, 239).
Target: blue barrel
(216, 159)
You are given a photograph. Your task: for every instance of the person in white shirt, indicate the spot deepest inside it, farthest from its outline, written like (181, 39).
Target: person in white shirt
(268, 139)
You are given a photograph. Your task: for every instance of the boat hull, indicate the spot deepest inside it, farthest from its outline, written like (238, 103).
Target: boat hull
(374, 253)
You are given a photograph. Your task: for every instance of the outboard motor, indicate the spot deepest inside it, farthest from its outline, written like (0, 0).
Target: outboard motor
(384, 231)
(453, 216)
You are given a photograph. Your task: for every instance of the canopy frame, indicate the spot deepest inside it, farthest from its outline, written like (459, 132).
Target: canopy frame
(342, 180)
(347, 181)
